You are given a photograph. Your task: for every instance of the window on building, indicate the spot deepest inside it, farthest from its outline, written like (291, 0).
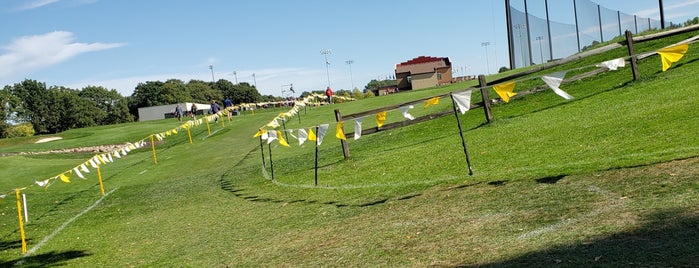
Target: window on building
(439, 76)
(410, 79)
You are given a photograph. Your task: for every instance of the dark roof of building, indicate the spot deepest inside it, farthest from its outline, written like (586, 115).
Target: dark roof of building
(421, 59)
(422, 64)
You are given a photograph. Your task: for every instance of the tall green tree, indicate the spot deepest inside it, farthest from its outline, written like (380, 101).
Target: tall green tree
(5, 111)
(203, 92)
(113, 108)
(32, 102)
(74, 112)
(245, 93)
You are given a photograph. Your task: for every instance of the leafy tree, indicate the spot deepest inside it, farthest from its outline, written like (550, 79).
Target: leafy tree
(113, 108)
(245, 93)
(21, 130)
(75, 112)
(693, 21)
(226, 88)
(373, 84)
(503, 69)
(202, 92)
(32, 102)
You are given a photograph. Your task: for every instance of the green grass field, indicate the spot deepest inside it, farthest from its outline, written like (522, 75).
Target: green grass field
(608, 179)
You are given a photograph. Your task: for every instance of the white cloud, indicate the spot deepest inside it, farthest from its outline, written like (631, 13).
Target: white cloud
(27, 54)
(269, 81)
(37, 4)
(674, 11)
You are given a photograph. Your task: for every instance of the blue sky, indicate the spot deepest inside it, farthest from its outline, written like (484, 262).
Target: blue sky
(120, 43)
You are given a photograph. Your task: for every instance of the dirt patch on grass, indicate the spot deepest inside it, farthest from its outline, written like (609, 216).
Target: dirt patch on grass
(48, 139)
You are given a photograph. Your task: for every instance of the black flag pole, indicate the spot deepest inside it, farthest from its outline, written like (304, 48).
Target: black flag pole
(461, 134)
(271, 165)
(316, 167)
(262, 150)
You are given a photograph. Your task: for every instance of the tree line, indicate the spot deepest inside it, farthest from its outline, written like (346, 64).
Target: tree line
(30, 107)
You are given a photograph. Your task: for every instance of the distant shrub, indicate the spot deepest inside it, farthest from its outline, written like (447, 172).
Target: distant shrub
(21, 130)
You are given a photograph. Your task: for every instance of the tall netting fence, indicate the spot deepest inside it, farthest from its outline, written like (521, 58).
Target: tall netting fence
(542, 30)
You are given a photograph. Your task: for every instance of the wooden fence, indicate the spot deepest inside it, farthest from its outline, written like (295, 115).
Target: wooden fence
(483, 84)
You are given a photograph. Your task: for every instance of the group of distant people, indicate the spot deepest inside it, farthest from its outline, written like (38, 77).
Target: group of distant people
(214, 108)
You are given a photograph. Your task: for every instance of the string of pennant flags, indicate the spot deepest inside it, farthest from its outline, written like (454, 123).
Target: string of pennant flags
(668, 56)
(100, 159)
(462, 100)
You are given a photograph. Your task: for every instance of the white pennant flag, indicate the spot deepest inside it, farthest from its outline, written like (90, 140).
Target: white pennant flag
(303, 136)
(404, 111)
(109, 157)
(271, 136)
(124, 151)
(322, 129)
(42, 183)
(291, 133)
(116, 153)
(83, 167)
(273, 124)
(264, 135)
(358, 127)
(78, 172)
(554, 80)
(463, 100)
(612, 64)
(93, 163)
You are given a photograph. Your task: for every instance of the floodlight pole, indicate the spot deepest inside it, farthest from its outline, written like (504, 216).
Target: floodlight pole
(213, 80)
(487, 64)
(349, 62)
(325, 53)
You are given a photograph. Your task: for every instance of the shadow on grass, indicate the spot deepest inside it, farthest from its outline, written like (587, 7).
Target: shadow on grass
(550, 179)
(12, 245)
(49, 259)
(668, 239)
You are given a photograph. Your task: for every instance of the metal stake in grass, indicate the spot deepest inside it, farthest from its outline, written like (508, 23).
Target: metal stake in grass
(316, 168)
(271, 165)
(461, 134)
(262, 150)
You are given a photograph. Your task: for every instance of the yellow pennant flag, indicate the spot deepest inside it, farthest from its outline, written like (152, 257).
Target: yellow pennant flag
(259, 133)
(282, 141)
(505, 91)
(430, 102)
(65, 178)
(311, 135)
(339, 132)
(672, 54)
(380, 118)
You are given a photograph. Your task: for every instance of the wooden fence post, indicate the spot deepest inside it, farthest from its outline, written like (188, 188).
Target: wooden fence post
(345, 148)
(486, 100)
(632, 53)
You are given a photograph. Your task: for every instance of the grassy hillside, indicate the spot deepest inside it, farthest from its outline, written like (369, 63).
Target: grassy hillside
(607, 179)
